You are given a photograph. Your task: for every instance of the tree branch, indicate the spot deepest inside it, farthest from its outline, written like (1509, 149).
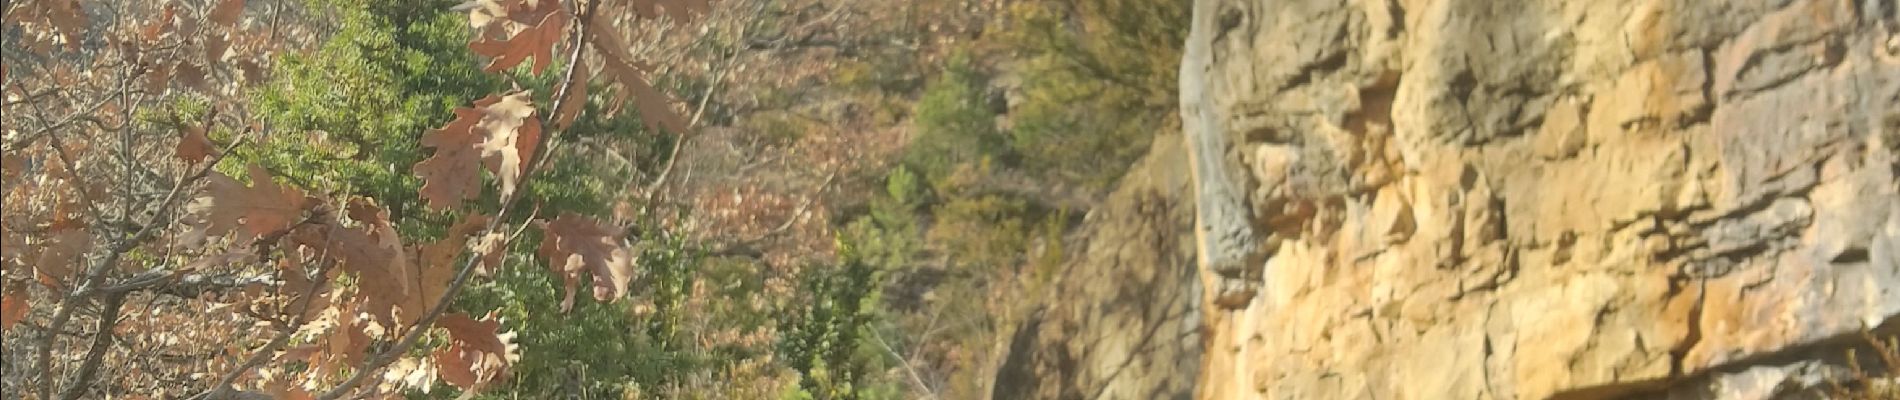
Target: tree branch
(222, 389)
(101, 342)
(63, 312)
(914, 377)
(43, 131)
(31, 98)
(166, 281)
(718, 77)
(674, 155)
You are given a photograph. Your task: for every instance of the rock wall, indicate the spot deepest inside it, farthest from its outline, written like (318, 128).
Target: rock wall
(1529, 199)
(1121, 319)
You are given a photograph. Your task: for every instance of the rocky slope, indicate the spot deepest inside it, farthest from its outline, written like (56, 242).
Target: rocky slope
(1122, 320)
(1495, 199)
(1422, 199)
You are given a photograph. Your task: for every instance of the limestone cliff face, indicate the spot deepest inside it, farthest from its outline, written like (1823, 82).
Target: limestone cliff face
(1528, 199)
(1122, 319)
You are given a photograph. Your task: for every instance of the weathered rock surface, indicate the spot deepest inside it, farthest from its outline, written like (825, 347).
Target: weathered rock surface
(1122, 319)
(1515, 199)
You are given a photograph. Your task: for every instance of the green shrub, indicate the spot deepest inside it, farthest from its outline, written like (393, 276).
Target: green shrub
(824, 338)
(1099, 80)
(983, 232)
(350, 111)
(953, 127)
(598, 350)
(394, 70)
(891, 225)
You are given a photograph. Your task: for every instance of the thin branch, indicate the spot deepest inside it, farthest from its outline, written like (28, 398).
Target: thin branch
(750, 247)
(68, 119)
(59, 148)
(166, 281)
(222, 389)
(101, 342)
(63, 312)
(125, 152)
(914, 377)
(674, 155)
(61, 315)
(72, 167)
(31, 98)
(801, 208)
(524, 227)
(43, 330)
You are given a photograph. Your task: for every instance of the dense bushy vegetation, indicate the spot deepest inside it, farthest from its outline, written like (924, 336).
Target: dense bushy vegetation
(1098, 81)
(404, 66)
(1088, 85)
(1012, 122)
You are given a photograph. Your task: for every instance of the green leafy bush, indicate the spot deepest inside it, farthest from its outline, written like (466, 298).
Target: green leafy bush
(394, 70)
(985, 231)
(824, 340)
(597, 350)
(1099, 80)
(953, 126)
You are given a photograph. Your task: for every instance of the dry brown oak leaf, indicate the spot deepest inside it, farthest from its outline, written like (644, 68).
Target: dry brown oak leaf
(13, 307)
(477, 353)
(536, 41)
(262, 208)
(373, 253)
(227, 12)
(499, 132)
(655, 107)
(344, 346)
(194, 145)
(576, 246)
(56, 258)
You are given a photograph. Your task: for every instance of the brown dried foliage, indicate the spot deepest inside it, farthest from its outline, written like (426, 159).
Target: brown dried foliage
(131, 267)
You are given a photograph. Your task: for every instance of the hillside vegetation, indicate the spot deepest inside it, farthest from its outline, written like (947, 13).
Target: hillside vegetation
(791, 199)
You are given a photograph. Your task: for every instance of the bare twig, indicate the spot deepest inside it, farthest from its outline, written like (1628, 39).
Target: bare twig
(63, 121)
(673, 156)
(95, 277)
(31, 98)
(802, 204)
(222, 389)
(72, 167)
(524, 227)
(101, 342)
(749, 247)
(725, 64)
(166, 281)
(912, 372)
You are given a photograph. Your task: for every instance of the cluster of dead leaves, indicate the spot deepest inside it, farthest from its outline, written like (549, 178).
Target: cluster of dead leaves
(309, 243)
(575, 246)
(503, 134)
(206, 49)
(500, 133)
(478, 352)
(396, 284)
(51, 23)
(52, 242)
